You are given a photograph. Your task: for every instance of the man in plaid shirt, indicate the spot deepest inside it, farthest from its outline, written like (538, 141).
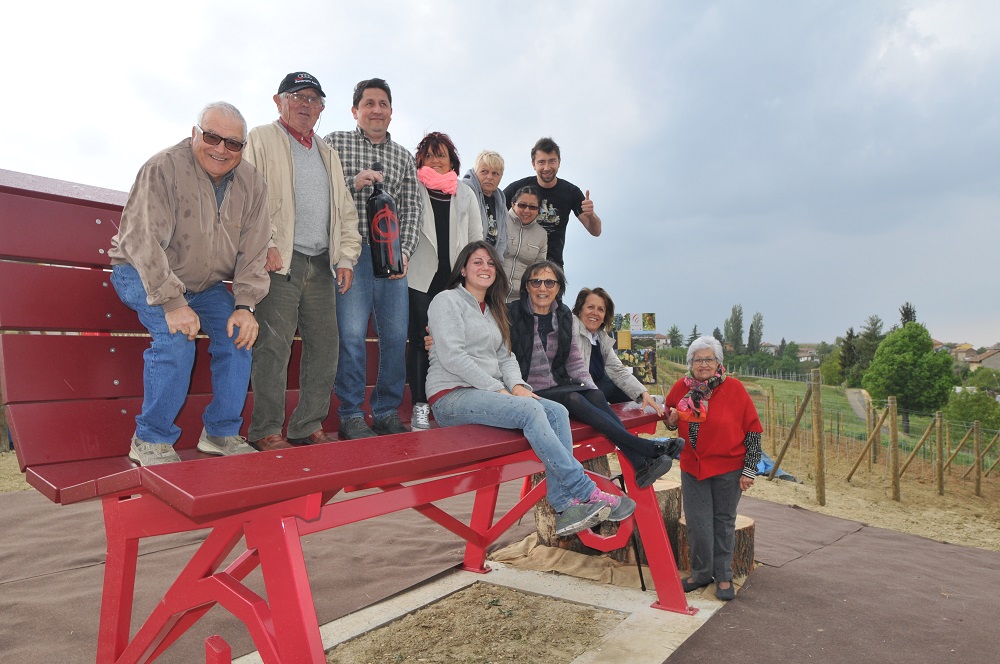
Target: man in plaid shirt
(386, 298)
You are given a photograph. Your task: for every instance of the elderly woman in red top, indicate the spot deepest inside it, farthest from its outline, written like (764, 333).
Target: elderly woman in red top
(719, 463)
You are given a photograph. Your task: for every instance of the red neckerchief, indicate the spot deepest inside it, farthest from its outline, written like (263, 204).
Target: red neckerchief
(304, 139)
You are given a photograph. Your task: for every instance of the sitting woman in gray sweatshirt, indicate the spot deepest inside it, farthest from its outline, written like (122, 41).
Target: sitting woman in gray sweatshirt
(474, 379)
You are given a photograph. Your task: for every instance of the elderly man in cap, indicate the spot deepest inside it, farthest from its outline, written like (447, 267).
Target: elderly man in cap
(314, 247)
(195, 217)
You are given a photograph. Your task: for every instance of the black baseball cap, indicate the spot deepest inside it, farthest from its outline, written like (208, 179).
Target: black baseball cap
(300, 80)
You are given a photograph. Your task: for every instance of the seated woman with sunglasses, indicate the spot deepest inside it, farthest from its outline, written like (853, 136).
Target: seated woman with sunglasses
(527, 241)
(543, 340)
(474, 379)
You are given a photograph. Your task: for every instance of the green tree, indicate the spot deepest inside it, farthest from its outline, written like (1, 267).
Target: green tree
(970, 406)
(907, 314)
(986, 379)
(905, 366)
(829, 368)
(848, 356)
(717, 333)
(789, 360)
(675, 337)
(733, 329)
(694, 334)
(756, 334)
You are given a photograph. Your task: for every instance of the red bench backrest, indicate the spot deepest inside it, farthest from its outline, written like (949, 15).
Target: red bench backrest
(70, 351)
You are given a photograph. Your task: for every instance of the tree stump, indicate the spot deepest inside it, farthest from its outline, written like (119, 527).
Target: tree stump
(668, 494)
(742, 551)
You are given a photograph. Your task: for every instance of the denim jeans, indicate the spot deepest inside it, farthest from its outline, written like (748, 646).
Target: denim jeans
(168, 362)
(388, 300)
(710, 511)
(590, 407)
(545, 424)
(304, 299)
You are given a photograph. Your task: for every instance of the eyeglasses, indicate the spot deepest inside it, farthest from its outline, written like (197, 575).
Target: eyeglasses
(538, 283)
(525, 206)
(304, 99)
(704, 360)
(214, 139)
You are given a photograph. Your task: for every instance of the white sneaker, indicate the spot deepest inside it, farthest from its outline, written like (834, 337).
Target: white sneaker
(223, 445)
(151, 454)
(421, 416)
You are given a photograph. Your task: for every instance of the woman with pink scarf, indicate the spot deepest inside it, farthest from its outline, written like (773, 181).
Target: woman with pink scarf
(719, 420)
(450, 220)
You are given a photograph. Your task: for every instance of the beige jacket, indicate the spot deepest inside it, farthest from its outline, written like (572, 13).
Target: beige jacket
(178, 239)
(268, 149)
(617, 372)
(465, 225)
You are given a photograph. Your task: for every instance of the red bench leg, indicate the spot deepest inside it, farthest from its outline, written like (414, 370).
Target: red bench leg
(119, 587)
(483, 511)
(296, 627)
(217, 651)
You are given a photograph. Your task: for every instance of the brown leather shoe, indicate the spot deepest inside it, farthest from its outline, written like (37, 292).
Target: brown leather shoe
(315, 438)
(273, 442)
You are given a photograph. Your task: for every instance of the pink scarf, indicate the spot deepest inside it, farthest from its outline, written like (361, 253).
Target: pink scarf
(448, 182)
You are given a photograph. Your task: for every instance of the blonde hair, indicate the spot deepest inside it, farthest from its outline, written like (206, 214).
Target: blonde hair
(489, 158)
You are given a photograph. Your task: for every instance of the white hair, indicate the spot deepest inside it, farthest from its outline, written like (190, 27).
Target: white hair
(702, 343)
(226, 109)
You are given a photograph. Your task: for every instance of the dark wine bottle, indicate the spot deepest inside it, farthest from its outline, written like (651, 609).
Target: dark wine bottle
(383, 231)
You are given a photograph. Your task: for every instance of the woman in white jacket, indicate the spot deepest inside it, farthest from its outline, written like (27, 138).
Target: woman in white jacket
(594, 310)
(450, 220)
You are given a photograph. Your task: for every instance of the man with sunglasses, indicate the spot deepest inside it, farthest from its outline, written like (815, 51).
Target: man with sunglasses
(195, 217)
(314, 247)
(386, 300)
(559, 198)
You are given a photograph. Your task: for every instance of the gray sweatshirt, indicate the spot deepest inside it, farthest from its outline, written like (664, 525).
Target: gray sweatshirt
(468, 348)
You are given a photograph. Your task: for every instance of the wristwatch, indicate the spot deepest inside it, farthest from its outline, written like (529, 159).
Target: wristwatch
(247, 307)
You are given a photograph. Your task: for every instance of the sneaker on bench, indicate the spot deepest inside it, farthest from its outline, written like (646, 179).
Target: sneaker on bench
(353, 428)
(621, 506)
(652, 469)
(580, 516)
(151, 454)
(223, 445)
(421, 418)
(388, 425)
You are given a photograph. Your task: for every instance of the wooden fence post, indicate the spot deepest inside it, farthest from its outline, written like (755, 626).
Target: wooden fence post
(916, 448)
(983, 453)
(894, 449)
(976, 460)
(940, 453)
(817, 431)
(865, 450)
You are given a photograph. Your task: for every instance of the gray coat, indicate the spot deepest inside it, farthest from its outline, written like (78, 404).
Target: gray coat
(617, 372)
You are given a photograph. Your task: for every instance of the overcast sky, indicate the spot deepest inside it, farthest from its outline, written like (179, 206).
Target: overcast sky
(816, 161)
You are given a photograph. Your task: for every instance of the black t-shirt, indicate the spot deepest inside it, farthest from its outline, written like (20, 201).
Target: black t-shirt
(492, 233)
(556, 204)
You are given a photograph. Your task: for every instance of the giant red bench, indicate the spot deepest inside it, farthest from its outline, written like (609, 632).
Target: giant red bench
(71, 378)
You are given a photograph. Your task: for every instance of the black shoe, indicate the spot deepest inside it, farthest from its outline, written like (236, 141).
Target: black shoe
(388, 425)
(670, 446)
(688, 585)
(354, 427)
(652, 470)
(726, 594)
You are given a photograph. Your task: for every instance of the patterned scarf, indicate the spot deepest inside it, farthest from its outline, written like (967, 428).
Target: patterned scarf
(447, 182)
(693, 406)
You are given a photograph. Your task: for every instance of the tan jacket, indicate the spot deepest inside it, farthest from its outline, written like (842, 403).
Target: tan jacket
(465, 225)
(268, 149)
(613, 367)
(177, 238)
(525, 245)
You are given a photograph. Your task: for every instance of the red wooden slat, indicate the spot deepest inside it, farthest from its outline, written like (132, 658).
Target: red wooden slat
(76, 233)
(48, 297)
(52, 367)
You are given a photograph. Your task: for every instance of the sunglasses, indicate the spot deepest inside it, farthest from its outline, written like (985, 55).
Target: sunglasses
(214, 139)
(525, 206)
(538, 283)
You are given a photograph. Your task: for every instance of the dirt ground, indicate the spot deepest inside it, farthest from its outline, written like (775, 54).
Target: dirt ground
(484, 624)
(523, 627)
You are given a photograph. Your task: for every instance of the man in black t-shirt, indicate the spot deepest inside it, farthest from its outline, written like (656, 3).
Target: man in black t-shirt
(559, 197)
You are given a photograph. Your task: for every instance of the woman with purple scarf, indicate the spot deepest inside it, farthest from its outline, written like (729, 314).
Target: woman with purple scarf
(719, 420)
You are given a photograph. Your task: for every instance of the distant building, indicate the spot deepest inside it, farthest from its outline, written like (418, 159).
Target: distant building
(807, 354)
(962, 352)
(990, 359)
(769, 348)
(662, 341)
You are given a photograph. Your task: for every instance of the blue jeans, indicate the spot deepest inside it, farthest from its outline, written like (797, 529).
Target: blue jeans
(168, 362)
(545, 424)
(388, 300)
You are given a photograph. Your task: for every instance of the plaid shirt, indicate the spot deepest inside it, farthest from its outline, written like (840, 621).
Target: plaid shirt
(400, 171)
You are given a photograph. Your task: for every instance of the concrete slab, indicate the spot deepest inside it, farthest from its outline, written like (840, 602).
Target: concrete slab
(646, 636)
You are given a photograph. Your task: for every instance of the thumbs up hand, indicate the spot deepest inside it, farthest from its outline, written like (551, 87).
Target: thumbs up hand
(587, 205)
